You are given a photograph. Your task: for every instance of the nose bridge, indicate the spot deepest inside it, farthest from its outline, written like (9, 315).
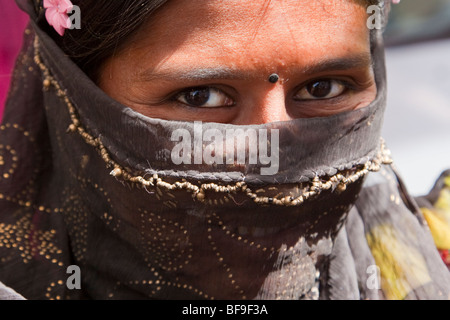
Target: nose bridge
(268, 106)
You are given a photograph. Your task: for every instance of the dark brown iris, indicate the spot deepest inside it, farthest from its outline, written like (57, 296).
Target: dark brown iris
(197, 96)
(319, 89)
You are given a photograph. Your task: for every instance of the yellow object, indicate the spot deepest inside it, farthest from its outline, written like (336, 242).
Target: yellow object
(438, 218)
(402, 267)
(439, 227)
(443, 202)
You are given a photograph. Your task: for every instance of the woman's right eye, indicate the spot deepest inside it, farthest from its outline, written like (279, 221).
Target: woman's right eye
(205, 97)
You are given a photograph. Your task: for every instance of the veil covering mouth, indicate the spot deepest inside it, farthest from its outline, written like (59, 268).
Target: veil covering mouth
(90, 182)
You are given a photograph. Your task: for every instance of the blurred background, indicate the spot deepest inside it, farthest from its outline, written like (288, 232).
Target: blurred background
(417, 126)
(417, 121)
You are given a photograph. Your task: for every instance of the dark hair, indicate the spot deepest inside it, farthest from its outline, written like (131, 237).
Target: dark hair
(105, 27)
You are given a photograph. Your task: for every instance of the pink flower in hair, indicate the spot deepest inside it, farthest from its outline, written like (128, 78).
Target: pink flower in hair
(56, 14)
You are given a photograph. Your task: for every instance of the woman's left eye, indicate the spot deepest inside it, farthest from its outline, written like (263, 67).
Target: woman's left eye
(204, 97)
(321, 89)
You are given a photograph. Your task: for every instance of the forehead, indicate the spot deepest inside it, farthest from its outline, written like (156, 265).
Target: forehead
(253, 33)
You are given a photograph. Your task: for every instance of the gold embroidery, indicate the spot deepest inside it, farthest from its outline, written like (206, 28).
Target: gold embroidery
(28, 241)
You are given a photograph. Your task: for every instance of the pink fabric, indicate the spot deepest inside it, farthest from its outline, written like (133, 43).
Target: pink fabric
(12, 24)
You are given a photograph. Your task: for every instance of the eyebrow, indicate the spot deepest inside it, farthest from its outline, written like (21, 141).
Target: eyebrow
(357, 61)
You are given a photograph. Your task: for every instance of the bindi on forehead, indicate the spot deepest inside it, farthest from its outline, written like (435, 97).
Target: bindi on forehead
(201, 73)
(217, 40)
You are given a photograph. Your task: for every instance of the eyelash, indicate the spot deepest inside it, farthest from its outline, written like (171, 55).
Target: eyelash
(175, 97)
(347, 87)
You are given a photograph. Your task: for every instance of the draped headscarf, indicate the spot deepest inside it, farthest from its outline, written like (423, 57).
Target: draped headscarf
(87, 181)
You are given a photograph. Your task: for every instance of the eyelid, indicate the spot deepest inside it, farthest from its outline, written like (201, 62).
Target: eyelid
(346, 84)
(179, 93)
(348, 80)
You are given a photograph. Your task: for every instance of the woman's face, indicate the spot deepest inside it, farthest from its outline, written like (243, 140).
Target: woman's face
(210, 60)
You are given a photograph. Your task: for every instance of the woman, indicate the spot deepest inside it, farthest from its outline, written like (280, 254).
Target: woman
(122, 143)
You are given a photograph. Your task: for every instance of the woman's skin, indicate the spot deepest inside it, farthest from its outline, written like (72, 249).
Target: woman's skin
(210, 60)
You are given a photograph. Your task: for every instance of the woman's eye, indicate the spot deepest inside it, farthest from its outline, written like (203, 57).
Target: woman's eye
(321, 89)
(205, 97)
